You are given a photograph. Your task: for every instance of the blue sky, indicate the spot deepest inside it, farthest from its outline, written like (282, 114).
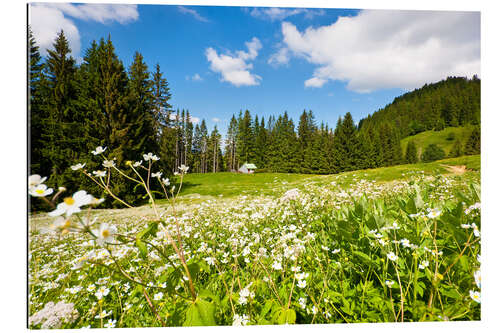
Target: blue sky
(219, 60)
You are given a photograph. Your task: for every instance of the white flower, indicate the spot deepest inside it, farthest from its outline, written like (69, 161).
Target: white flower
(111, 323)
(423, 265)
(292, 194)
(389, 283)
(150, 156)
(156, 174)
(477, 278)
(240, 320)
(302, 302)
(392, 256)
(72, 204)
(103, 314)
(108, 164)
(35, 180)
(176, 173)
(101, 292)
(136, 164)
(475, 295)
(277, 266)
(98, 150)
(475, 230)
(325, 248)
(166, 181)
(40, 190)
(77, 166)
(465, 226)
(91, 288)
(105, 234)
(434, 213)
(210, 261)
(183, 168)
(301, 283)
(158, 296)
(405, 242)
(99, 173)
(335, 251)
(378, 235)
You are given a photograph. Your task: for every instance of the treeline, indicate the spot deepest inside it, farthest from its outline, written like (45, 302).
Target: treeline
(453, 102)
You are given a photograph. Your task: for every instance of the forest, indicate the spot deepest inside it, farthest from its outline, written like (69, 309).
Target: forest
(75, 108)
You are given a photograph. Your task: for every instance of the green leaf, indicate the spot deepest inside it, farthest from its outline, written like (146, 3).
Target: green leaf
(143, 249)
(200, 313)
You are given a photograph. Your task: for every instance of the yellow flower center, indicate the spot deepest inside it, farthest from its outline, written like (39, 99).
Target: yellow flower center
(39, 191)
(105, 233)
(69, 201)
(67, 223)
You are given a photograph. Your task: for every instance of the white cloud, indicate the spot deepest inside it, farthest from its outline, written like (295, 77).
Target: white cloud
(278, 14)
(195, 77)
(381, 49)
(215, 120)
(192, 12)
(281, 57)
(194, 120)
(234, 68)
(47, 20)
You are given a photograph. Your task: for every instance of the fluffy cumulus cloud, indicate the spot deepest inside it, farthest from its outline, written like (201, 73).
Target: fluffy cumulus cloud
(195, 77)
(278, 14)
(47, 19)
(380, 49)
(235, 68)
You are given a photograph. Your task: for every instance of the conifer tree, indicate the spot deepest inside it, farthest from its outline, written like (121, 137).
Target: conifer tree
(457, 149)
(473, 145)
(160, 101)
(411, 153)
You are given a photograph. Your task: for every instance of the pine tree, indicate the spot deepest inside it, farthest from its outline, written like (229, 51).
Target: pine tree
(411, 153)
(457, 149)
(160, 101)
(473, 145)
(433, 153)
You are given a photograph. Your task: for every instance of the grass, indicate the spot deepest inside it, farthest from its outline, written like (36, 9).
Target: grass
(198, 187)
(422, 140)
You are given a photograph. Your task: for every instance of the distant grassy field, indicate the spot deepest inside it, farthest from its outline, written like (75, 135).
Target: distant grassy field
(226, 184)
(422, 140)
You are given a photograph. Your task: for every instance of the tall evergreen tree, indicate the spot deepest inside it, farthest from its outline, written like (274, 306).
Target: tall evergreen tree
(411, 153)
(473, 144)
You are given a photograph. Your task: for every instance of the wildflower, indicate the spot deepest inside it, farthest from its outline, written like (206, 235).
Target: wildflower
(475, 295)
(314, 310)
(475, 230)
(389, 283)
(292, 194)
(277, 266)
(108, 164)
(101, 292)
(91, 288)
(35, 180)
(477, 278)
(158, 296)
(136, 164)
(423, 265)
(465, 226)
(433, 213)
(335, 251)
(99, 173)
(378, 235)
(150, 156)
(111, 323)
(99, 150)
(392, 256)
(302, 302)
(104, 314)
(301, 283)
(166, 181)
(105, 233)
(240, 320)
(325, 248)
(40, 190)
(156, 174)
(77, 166)
(54, 315)
(210, 261)
(183, 168)
(72, 204)
(405, 242)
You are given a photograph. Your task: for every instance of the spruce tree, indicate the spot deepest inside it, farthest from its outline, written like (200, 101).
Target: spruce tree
(160, 101)
(457, 149)
(432, 153)
(411, 153)
(473, 145)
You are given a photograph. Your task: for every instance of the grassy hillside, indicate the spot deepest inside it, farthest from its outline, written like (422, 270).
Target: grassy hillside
(224, 184)
(440, 138)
